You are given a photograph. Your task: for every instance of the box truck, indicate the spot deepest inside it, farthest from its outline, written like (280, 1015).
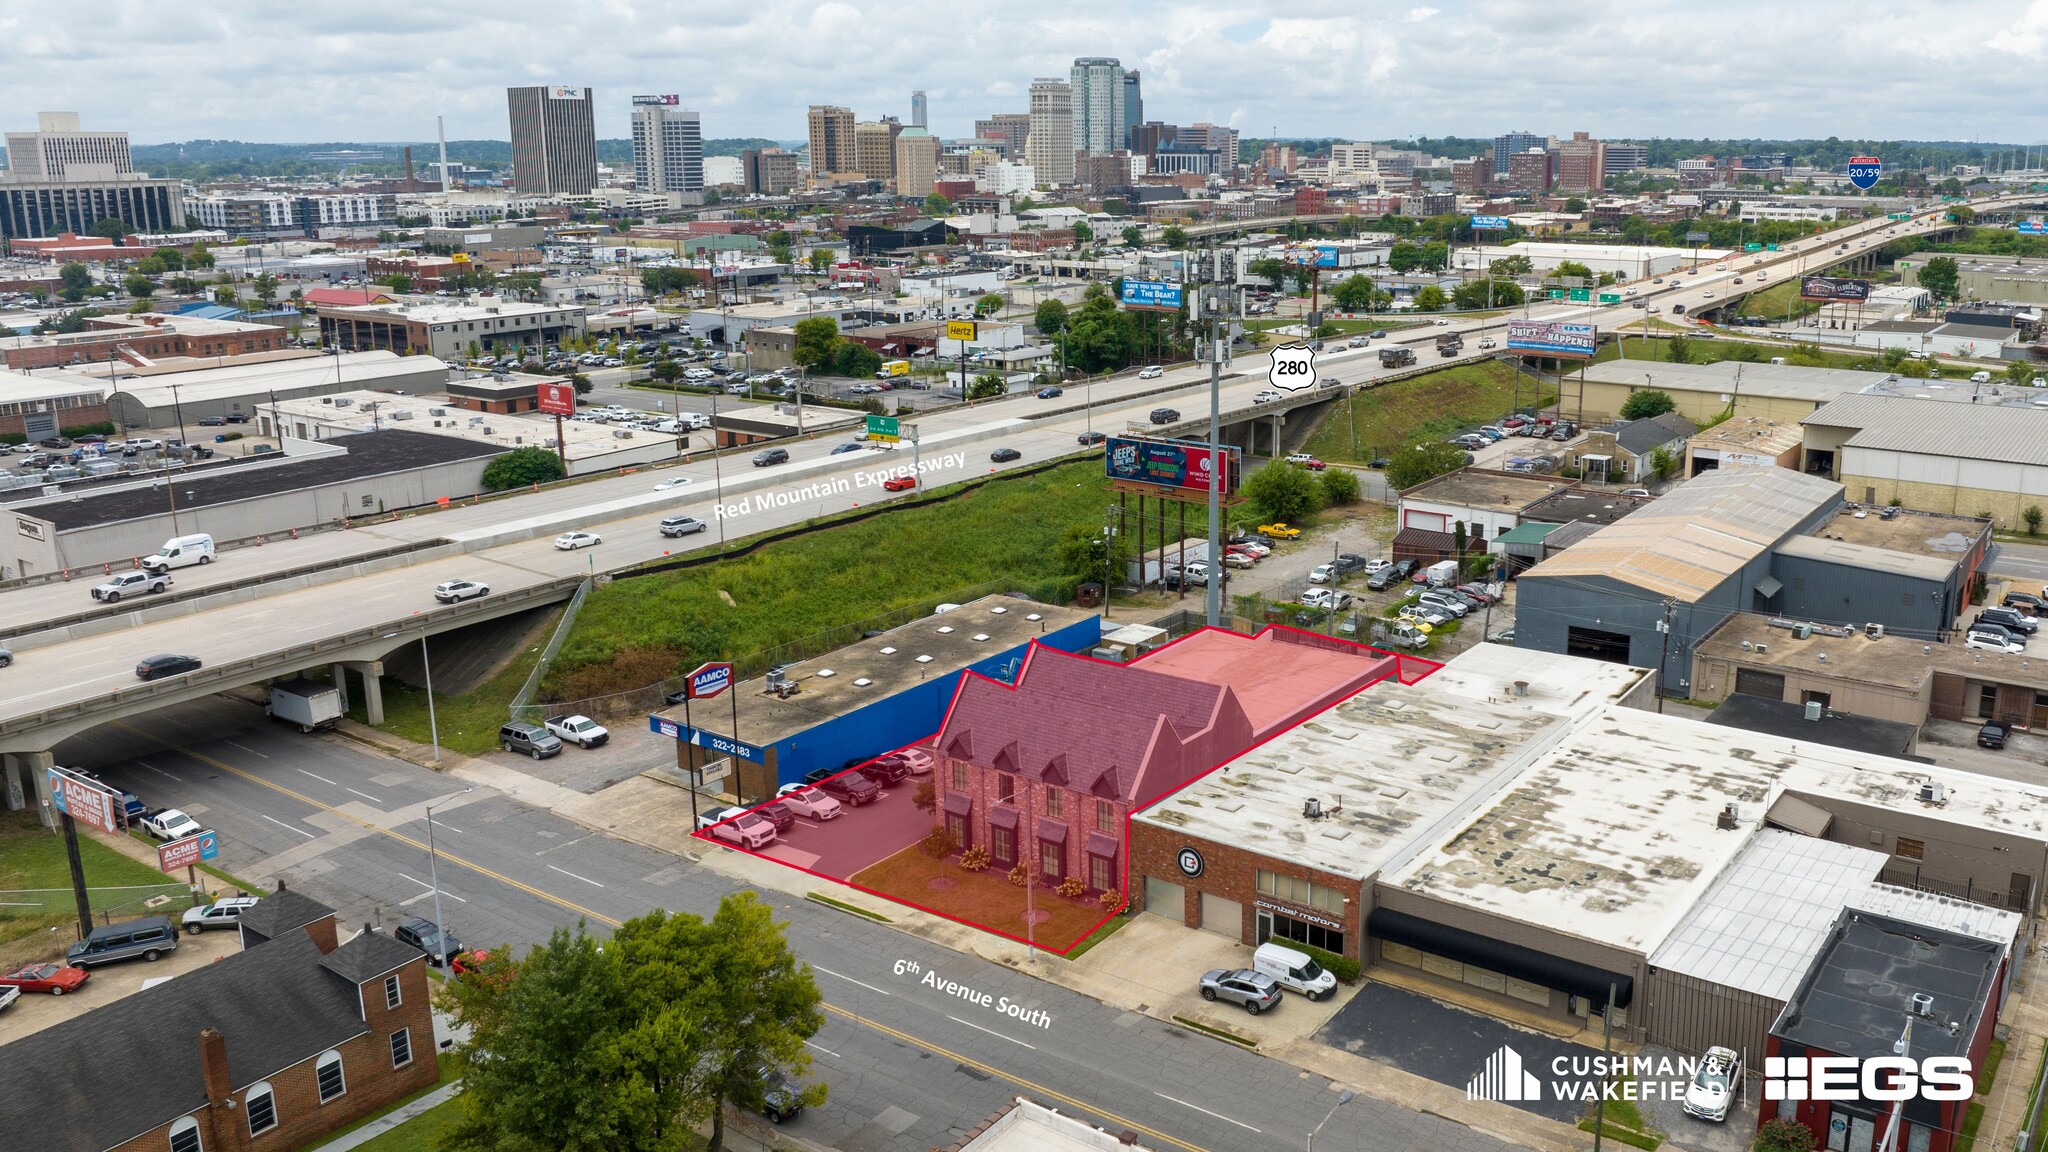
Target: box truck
(307, 703)
(1441, 574)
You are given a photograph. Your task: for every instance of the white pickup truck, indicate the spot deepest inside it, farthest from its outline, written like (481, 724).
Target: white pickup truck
(581, 731)
(170, 824)
(130, 584)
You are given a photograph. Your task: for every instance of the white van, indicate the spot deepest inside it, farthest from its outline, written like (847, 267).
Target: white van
(1294, 970)
(1980, 377)
(1442, 573)
(179, 552)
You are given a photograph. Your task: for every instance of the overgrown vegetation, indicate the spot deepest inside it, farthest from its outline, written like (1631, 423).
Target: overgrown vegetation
(38, 926)
(1433, 406)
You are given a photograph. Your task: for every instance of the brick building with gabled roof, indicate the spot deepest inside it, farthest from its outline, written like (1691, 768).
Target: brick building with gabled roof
(1061, 759)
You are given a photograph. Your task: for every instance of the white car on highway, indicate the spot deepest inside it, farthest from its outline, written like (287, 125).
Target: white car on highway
(671, 482)
(570, 541)
(1151, 372)
(805, 800)
(450, 591)
(1267, 396)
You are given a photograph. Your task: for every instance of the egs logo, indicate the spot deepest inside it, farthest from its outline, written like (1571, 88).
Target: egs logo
(1848, 1078)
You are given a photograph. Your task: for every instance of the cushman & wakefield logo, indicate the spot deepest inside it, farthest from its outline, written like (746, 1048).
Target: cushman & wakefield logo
(1877, 1078)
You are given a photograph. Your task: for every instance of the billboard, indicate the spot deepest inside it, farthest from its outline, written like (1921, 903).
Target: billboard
(964, 330)
(2031, 228)
(1550, 339)
(557, 399)
(1156, 294)
(709, 680)
(87, 803)
(1833, 288)
(1171, 463)
(669, 101)
(1318, 256)
(703, 739)
(1489, 223)
(1864, 170)
(560, 93)
(187, 852)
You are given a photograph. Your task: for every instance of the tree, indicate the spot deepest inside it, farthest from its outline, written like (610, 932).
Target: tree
(111, 227)
(667, 281)
(266, 287)
(926, 798)
(1574, 204)
(821, 259)
(1571, 268)
(73, 280)
(521, 467)
(666, 371)
(2032, 515)
(171, 259)
(581, 383)
(1647, 403)
(227, 296)
(856, 360)
(1133, 236)
(1174, 236)
(1679, 349)
(1430, 298)
(1418, 462)
(397, 281)
(139, 286)
(1783, 1135)
(1340, 486)
(2018, 372)
(986, 385)
(1963, 214)
(1941, 277)
(1664, 462)
(1514, 264)
(199, 257)
(1051, 317)
(816, 340)
(988, 306)
(1079, 554)
(939, 844)
(1353, 293)
(1283, 491)
(937, 205)
(1082, 232)
(1271, 269)
(1487, 293)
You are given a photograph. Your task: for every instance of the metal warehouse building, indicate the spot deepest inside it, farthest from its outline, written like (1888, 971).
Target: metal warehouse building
(1939, 455)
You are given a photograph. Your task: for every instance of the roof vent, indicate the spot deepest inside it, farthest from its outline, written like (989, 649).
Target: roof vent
(1923, 1004)
(1762, 648)
(826, 673)
(1312, 809)
(1521, 687)
(888, 651)
(1814, 709)
(945, 629)
(979, 637)
(1729, 819)
(1034, 616)
(998, 610)
(862, 682)
(924, 659)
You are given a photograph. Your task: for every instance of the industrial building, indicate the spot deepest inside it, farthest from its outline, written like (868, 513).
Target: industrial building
(448, 328)
(2012, 279)
(1624, 261)
(1947, 454)
(590, 447)
(180, 399)
(1646, 589)
(39, 405)
(1702, 392)
(146, 342)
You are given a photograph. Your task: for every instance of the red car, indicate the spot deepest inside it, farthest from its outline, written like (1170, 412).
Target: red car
(899, 484)
(55, 979)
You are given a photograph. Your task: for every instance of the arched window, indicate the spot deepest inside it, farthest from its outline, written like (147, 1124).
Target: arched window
(185, 1135)
(327, 1073)
(261, 1105)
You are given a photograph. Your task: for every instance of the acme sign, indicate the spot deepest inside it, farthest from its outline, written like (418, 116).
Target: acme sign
(1877, 1078)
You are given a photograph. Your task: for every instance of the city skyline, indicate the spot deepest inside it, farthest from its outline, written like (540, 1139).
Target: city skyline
(1617, 70)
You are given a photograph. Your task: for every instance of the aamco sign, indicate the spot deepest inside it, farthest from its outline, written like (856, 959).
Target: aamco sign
(1294, 367)
(557, 399)
(709, 680)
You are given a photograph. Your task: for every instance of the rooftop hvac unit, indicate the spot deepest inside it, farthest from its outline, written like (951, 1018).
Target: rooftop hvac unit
(486, 430)
(1762, 648)
(437, 423)
(1729, 819)
(1814, 709)
(437, 411)
(776, 678)
(344, 402)
(327, 399)
(1923, 1004)
(1312, 809)
(1874, 631)
(401, 414)
(1933, 793)
(1802, 631)
(622, 434)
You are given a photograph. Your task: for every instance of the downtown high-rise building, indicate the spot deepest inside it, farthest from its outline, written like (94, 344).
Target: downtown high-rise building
(1012, 128)
(62, 179)
(920, 109)
(874, 148)
(554, 140)
(1050, 148)
(1134, 108)
(668, 146)
(1100, 92)
(917, 162)
(831, 139)
(769, 171)
(1511, 143)
(1581, 164)
(57, 146)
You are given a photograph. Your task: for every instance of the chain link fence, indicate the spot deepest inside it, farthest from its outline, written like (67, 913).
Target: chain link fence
(108, 904)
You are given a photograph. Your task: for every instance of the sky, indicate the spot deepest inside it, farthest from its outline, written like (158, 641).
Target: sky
(378, 70)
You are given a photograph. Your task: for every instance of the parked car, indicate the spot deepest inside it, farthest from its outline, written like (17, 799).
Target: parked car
(805, 800)
(130, 584)
(570, 541)
(1993, 640)
(682, 525)
(166, 664)
(1993, 734)
(1278, 531)
(847, 787)
(1255, 990)
(2010, 619)
(1501, 636)
(1307, 461)
(778, 814)
(223, 913)
(439, 944)
(56, 979)
(1322, 574)
(737, 826)
(144, 939)
(451, 591)
(886, 770)
(2026, 601)
(1326, 598)
(1429, 614)
(1714, 1084)
(579, 730)
(531, 739)
(1478, 592)
(1295, 970)
(920, 761)
(781, 1099)
(1381, 580)
(1005, 455)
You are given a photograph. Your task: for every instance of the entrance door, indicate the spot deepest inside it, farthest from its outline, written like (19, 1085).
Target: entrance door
(1165, 898)
(1263, 931)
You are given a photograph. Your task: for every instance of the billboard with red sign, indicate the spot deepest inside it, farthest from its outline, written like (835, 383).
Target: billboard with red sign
(1170, 463)
(187, 852)
(87, 803)
(558, 399)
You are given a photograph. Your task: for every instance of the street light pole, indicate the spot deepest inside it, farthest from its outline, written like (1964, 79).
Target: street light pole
(433, 724)
(434, 875)
(1343, 1098)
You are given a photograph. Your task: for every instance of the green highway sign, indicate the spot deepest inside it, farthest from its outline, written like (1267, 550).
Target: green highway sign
(1610, 297)
(883, 428)
(1583, 295)
(1752, 247)
(1555, 293)
(1770, 247)
(1900, 216)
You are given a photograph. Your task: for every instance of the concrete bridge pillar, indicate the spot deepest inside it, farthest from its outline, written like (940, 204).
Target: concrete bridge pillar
(339, 674)
(373, 690)
(27, 775)
(10, 776)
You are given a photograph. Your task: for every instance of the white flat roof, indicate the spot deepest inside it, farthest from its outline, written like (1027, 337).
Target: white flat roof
(1398, 762)
(1938, 911)
(1612, 836)
(1760, 925)
(585, 439)
(237, 381)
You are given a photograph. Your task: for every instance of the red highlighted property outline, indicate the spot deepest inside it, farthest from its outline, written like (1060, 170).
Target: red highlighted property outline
(1407, 669)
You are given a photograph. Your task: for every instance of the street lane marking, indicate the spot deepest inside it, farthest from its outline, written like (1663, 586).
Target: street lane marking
(997, 1035)
(573, 876)
(825, 1050)
(850, 980)
(289, 828)
(1012, 1077)
(316, 776)
(159, 771)
(367, 796)
(578, 840)
(1205, 1111)
(250, 751)
(429, 891)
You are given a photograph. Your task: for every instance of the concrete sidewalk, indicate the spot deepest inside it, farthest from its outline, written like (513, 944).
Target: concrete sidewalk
(391, 1119)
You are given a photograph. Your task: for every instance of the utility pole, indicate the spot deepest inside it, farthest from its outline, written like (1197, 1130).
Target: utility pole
(1606, 1026)
(1664, 626)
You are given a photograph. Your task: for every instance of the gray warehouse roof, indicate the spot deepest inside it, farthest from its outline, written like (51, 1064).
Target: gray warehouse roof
(1783, 381)
(2000, 433)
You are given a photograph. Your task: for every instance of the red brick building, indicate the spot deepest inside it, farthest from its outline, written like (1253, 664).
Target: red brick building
(149, 336)
(265, 1050)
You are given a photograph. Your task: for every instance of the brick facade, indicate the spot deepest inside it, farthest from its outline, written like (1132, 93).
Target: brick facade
(1231, 873)
(155, 341)
(1083, 832)
(371, 1082)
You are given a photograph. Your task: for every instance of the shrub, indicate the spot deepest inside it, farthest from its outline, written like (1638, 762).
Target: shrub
(1342, 967)
(1111, 900)
(1782, 1135)
(2032, 516)
(1340, 486)
(99, 428)
(1020, 876)
(625, 670)
(974, 859)
(520, 467)
(1072, 888)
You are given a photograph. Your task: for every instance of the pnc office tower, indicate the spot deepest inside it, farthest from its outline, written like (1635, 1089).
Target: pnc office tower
(668, 146)
(554, 140)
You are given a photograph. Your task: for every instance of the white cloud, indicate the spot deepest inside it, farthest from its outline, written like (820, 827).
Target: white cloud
(381, 70)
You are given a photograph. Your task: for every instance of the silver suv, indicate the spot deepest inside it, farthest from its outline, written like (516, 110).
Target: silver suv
(531, 739)
(1255, 990)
